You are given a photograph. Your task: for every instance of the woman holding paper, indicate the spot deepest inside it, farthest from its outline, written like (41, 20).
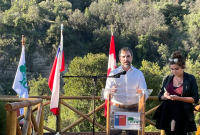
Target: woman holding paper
(178, 92)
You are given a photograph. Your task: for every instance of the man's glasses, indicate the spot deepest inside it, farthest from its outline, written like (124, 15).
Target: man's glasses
(173, 60)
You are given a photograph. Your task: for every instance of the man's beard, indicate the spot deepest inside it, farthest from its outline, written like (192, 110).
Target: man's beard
(127, 64)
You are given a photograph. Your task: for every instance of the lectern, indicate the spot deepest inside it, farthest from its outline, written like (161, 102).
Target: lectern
(124, 118)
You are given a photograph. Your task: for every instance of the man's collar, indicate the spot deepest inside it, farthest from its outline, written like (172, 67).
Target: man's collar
(121, 69)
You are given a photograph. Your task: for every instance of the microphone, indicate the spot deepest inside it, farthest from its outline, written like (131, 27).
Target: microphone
(118, 74)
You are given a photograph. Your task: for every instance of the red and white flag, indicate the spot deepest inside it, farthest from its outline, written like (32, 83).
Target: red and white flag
(54, 78)
(111, 65)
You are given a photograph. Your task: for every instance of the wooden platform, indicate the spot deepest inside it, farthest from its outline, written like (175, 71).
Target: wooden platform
(96, 133)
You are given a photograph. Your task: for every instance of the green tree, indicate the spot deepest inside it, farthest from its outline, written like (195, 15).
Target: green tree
(33, 14)
(101, 40)
(89, 65)
(81, 5)
(150, 69)
(153, 77)
(194, 53)
(193, 67)
(192, 28)
(171, 10)
(5, 4)
(52, 37)
(142, 47)
(87, 13)
(78, 21)
(163, 50)
(39, 87)
(2, 118)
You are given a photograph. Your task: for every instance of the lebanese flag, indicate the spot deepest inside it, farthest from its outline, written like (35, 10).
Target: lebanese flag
(111, 65)
(54, 78)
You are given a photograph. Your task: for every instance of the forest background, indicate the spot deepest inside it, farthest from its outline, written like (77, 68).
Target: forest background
(153, 29)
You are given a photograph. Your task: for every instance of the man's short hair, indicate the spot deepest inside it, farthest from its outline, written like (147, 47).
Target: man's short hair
(125, 49)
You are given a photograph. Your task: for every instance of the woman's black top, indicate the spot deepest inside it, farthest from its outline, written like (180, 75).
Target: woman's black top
(172, 115)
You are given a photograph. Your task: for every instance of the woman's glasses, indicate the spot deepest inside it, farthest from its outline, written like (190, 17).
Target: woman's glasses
(173, 60)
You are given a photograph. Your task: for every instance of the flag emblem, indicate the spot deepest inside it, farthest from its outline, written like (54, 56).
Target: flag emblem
(22, 69)
(120, 120)
(127, 120)
(132, 120)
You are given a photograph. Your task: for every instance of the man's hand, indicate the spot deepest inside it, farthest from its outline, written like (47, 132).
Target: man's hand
(113, 89)
(138, 91)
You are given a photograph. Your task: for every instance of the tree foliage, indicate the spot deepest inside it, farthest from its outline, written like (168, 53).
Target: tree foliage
(153, 77)
(39, 87)
(152, 29)
(2, 118)
(89, 65)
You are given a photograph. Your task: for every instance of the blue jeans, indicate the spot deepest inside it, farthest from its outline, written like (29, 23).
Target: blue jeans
(119, 109)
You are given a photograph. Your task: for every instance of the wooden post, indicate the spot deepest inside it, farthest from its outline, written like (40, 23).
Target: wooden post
(35, 108)
(29, 127)
(16, 105)
(198, 131)
(143, 114)
(39, 106)
(108, 116)
(162, 132)
(26, 127)
(41, 120)
(141, 110)
(19, 132)
(11, 123)
(36, 128)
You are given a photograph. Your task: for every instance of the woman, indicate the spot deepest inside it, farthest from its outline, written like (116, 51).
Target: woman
(178, 92)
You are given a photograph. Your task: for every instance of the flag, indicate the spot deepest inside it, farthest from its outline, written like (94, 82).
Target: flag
(112, 56)
(111, 65)
(120, 120)
(54, 78)
(20, 82)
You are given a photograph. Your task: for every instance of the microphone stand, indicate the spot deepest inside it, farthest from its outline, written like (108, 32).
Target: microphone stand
(94, 93)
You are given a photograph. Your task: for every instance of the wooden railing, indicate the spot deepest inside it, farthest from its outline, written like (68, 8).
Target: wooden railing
(13, 127)
(33, 100)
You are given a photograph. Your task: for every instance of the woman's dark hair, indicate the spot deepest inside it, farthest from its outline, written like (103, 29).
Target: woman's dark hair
(177, 58)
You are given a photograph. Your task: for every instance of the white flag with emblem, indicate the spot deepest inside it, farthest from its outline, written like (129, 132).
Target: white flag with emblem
(20, 82)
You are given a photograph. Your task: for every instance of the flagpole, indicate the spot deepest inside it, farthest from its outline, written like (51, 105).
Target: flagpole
(23, 41)
(111, 28)
(22, 110)
(58, 116)
(20, 81)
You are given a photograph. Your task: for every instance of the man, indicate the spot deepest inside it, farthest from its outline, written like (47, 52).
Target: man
(123, 89)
